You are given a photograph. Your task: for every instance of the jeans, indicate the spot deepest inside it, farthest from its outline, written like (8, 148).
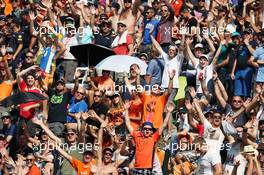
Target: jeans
(243, 82)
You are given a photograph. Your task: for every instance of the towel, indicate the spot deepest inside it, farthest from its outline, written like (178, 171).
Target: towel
(119, 40)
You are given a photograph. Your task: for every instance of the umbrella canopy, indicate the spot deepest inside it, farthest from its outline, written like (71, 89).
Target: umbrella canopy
(121, 63)
(90, 54)
(20, 98)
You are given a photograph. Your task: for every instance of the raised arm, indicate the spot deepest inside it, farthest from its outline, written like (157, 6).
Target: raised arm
(127, 120)
(155, 43)
(170, 108)
(63, 153)
(46, 129)
(210, 43)
(190, 54)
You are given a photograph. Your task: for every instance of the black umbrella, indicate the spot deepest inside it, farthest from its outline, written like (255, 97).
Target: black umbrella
(90, 54)
(21, 97)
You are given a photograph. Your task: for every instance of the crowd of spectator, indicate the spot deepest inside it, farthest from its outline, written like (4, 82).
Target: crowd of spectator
(199, 109)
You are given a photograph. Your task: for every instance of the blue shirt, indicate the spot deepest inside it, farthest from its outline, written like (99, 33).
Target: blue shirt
(155, 70)
(76, 107)
(146, 36)
(259, 55)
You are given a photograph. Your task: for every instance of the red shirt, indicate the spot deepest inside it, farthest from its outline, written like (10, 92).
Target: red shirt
(123, 48)
(27, 114)
(144, 149)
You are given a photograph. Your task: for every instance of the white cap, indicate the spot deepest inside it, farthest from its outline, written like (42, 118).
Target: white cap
(204, 56)
(199, 45)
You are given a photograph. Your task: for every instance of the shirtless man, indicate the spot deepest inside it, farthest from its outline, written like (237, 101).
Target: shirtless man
(130, 14)
(105, 164)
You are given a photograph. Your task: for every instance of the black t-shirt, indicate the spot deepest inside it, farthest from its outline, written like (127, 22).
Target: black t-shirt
(232, 53)
(100, 109)
(14, 40)
(104, 40)
(242, 57)
(58, 106)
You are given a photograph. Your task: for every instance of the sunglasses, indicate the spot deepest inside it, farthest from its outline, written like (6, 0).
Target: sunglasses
(29, 56)
(6, 117)
(237, 101)
(80, 92)
(127, 1)
(29, 160)
(9, 53)
(97, 96)
(147, 129)
(108, 154)
(113, 97)
(70, 134)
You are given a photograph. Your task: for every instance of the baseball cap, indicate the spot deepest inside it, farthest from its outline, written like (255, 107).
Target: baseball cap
(4, 112)
(204, 56)
(69, 20)
(148, 124)
(234, 34)
(60, 81)
(198, 45)
(9, 50)
(121, 22)
(108, 149)
(2, 17)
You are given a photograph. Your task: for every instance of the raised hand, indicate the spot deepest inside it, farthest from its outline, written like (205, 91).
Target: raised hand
(170, 106)
(189, 41)
(214, 75)
(32, 16)
(3, 49)
(172, 74)
(77, 74)
(46, 3)
(151, 30)
(192, 92)
(85, 115)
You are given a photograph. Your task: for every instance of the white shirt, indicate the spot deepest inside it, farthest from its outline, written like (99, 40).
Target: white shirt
(232, 155)
(207, 163)
(208, 74)
(68, 42)
(170, 64)
(214, 137)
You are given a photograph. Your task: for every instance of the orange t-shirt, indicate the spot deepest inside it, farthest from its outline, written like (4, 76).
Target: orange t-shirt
(6, 89)
(106, 84)
(34, 170)
(135, 110)
(145, 148)
(81, 168)
(159, 104)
